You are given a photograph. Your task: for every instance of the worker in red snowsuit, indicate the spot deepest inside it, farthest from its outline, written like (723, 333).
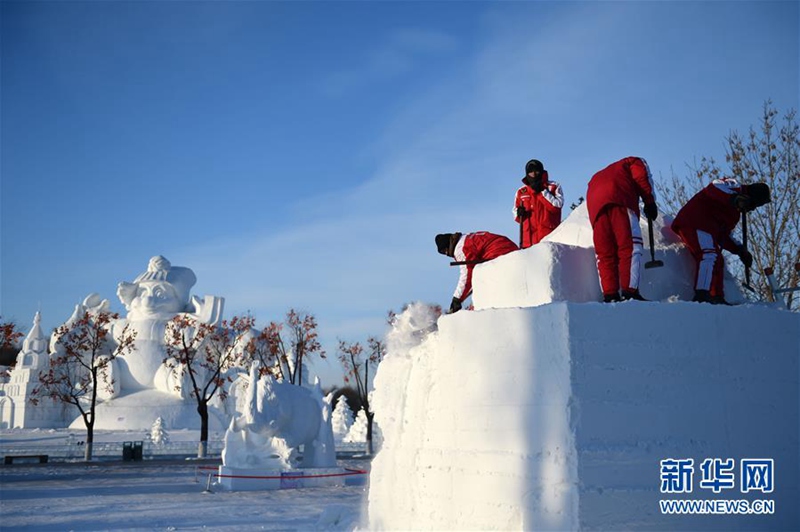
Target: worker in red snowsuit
(705, 224)
(537, 205)
(613, 203)
(472, 248)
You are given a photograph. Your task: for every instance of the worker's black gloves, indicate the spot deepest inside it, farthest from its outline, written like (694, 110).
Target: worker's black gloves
(455, 305)
(743, 202)
(537, 185)
(746, 257)
(521, 212)
(651, 211)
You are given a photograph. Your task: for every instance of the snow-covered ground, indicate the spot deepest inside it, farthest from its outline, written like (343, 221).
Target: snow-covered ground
(166, 495)
(158, 493)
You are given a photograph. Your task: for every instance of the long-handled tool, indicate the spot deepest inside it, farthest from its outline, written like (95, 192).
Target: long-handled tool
(466, 262)
(653, 263)
(746, 284)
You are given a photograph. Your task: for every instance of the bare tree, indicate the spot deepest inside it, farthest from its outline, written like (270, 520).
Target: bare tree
(770, 154)
(206, 356)
(9, 342)
(9, 335)
(282, 348)
(356, 364)
(79, 367)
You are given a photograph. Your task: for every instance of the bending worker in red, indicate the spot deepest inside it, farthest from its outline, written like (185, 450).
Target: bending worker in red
(705, 224)
(537, 205)
(613, 203)
(472, 248)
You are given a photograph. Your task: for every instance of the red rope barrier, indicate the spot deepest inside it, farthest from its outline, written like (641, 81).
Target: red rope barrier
(351, 473)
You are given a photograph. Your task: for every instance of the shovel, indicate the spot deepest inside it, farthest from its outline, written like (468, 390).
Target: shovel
(746, 283)
(653, 263)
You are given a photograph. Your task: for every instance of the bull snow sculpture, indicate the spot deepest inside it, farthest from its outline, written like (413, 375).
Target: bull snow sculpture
(278, 417)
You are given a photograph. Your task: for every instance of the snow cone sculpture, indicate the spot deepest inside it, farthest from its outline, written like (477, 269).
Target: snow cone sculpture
(261, 444)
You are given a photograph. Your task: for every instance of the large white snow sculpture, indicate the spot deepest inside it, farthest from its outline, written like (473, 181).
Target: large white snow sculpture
(153, 299)
(543, 412)
(261, 443)
(277, 418)
(144, 387)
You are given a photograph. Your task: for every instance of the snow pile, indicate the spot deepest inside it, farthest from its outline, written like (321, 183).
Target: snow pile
(558, 416)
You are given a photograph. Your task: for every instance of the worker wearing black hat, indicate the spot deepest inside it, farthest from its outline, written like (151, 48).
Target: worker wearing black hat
(706, 223)
(470, 250)
(537, 205)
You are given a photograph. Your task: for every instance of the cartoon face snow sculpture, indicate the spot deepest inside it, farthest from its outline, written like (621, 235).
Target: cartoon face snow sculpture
(152, 300)
(277, 418)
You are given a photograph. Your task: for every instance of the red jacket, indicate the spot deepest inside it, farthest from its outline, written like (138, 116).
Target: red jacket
(620, 183)
(480, 246)
(544, 209)
(712, 210)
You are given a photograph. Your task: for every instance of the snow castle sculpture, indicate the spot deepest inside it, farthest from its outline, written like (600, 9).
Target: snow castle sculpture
(16, 411)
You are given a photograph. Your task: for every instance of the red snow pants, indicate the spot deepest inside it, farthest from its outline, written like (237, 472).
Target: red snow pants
(618, 245)
(707, 253)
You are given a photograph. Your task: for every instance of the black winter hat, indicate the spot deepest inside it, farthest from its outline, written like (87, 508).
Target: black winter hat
(759, 193)
(443, 242)
(533, 166)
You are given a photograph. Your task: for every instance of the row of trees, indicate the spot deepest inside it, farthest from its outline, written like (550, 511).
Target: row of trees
(205, 358)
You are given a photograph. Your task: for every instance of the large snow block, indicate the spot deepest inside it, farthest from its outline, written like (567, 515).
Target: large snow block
(560, 417)
(540, 274)
(563, 267)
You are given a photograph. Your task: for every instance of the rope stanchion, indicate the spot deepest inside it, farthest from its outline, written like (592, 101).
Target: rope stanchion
(208, 484)
(199, 468)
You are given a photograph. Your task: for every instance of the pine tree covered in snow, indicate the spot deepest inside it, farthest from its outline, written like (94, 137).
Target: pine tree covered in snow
(358, 431)
(158, 434)
(342, 418)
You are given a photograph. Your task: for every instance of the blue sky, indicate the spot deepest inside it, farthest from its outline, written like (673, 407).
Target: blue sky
(304, 154)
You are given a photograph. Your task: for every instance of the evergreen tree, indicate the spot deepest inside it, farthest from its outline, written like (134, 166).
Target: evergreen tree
(342, 418)
(158, 434)
(358, 431)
